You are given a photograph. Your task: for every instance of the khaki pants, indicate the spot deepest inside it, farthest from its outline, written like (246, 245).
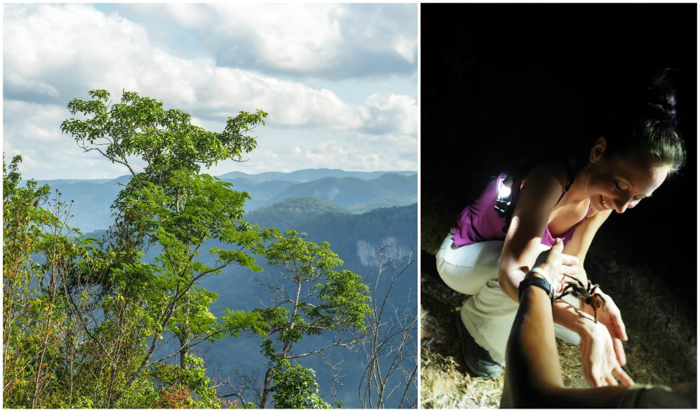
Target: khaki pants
(489, 314)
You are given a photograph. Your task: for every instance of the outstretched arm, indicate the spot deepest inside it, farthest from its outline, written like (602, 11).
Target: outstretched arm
(601, 353)
(601, 341)
(533, 375)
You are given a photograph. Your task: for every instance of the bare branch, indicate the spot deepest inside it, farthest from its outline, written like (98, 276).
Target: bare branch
(388, 339)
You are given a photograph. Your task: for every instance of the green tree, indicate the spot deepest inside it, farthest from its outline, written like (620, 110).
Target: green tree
(42, 363)
(169, 205)
(83, 317)
(24, 317)
(309, 298)
(295, 387)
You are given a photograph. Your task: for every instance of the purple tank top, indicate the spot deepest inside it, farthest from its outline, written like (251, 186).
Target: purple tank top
(480, 222)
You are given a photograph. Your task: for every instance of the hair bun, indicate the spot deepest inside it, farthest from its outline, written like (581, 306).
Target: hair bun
(661, 98)
(646, 122)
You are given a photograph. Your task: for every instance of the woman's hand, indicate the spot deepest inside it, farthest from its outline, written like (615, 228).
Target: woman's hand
(610, 316)
(598, 357)
(557, 264)
(602, 353)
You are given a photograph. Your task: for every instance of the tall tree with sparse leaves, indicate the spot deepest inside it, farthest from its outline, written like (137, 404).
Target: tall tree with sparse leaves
(309, 297)
(174, 207)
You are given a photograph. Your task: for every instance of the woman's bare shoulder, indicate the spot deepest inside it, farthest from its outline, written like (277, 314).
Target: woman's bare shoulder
(547, 173)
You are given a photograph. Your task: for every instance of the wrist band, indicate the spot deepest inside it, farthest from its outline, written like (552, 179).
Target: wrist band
(531, 280)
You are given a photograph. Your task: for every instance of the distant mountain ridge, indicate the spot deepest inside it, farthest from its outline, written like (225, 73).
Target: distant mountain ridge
(355, 194)
(306, 175)
(93, 198)
(292, 213)
(356, 237)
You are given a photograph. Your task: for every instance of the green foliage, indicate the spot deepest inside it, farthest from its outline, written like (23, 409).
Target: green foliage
(343, 301)
(81, 328)
(191, 383)
(337, 300)
(236, 321)
(165, 139)
(32, 318)
(295, 387)
(322, 300)
(301, 259)
(81, 324)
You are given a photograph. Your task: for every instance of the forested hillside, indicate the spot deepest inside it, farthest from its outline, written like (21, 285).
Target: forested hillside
(185, 301)
(357, 239)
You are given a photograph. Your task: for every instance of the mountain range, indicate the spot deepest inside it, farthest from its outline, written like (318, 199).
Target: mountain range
(355, 192)
(342, 208)
(356, 238)
(307, 175)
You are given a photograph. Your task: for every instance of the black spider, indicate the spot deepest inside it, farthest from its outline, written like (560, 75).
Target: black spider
(586, 293)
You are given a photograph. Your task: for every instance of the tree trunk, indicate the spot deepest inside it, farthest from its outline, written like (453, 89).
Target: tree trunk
(183, 337)
(266, 389)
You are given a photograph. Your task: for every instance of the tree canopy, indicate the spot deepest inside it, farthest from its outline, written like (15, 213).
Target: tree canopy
(83, 317)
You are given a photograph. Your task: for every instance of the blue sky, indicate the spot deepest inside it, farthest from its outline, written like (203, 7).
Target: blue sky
(339, 81)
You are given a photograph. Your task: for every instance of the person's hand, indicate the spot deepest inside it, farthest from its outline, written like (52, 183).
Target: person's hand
(599, 360)
(557, 264)
(610, 316)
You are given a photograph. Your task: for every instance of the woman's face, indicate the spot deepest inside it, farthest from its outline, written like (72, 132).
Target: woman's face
(621, 182)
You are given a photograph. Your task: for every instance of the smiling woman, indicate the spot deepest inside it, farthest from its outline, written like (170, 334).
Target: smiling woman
(496, 240)
(499, 83)
(623, 182)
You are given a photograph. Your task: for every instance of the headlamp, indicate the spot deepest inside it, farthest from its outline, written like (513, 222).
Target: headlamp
(504, 196)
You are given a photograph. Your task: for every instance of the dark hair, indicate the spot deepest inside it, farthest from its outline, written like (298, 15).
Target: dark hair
(648, 125)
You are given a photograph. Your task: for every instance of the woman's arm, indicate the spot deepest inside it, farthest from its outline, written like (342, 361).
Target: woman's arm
(601, 355)
(544, 186)
(582, 239)
(533, 376)
(601, 349)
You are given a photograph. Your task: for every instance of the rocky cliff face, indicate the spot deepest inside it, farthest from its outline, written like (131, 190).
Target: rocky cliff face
(368, 251)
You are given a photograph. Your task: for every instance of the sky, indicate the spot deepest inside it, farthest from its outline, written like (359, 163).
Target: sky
(339, 81)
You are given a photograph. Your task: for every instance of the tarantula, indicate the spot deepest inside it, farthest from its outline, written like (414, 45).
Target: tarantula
(586, 293)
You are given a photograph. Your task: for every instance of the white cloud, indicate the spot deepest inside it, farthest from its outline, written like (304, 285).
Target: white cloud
(391, 113)
(187, 14)
(22, 85)
(290, 37)
(406, 47)
(121, 56)
(54, 53)
(317, 148)
(358, 156)
(307, 40)
(34, 116)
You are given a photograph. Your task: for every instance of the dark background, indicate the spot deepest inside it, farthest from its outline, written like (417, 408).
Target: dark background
(501, 81)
